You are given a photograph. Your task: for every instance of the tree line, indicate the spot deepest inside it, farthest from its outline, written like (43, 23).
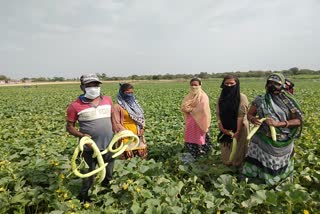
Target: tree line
(203, 75)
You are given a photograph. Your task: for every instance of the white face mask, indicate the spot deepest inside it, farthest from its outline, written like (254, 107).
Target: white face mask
(92, 92)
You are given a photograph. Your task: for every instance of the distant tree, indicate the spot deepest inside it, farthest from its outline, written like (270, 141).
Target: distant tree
(306, 71)
(25, 79)
(203, 75)
(156, 77)
(134, 77)
(294, 70)
(3, 77)
(102, 76)
(167, 76)
(39, 79)
(57, 79)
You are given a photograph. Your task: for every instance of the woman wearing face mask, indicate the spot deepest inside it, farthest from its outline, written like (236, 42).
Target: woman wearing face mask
(267, 160)
(289, 86)
(197, 116)
(129, 115)
(231, 112)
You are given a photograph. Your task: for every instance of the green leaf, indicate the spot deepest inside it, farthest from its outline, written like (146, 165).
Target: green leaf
(260, 196)
(176, 209)
(19, 198)
(272, 198)
(146, 193)
(57, 212)
(144, 169)
(209, 204)
(135, 208)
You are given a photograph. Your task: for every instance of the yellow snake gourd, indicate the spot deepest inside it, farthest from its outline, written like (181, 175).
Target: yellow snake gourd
(233, 149)
(122, 147)
(255, 129)
(96, 151)
(120, 151)
(273, 133)
(97, 154)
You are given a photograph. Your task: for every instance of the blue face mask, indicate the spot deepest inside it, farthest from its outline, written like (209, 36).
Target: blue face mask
(128, 95)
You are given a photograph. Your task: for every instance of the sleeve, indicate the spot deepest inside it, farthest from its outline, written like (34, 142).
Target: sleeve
(117, 115)
(217, 111)
(72, 115)
(257, 101)
(243, 107)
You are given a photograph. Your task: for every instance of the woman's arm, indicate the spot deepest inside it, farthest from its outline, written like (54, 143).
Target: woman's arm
(239, 127)
(293, 122)
(117, 118)
(243, 111)
(252, 115)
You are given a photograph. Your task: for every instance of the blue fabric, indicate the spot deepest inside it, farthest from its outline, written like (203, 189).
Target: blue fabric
(129, 103)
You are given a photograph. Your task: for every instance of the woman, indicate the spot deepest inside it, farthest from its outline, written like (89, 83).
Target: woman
(231, 112)
(289, 86)
(197, 116)
(271, 160)
(129, 115)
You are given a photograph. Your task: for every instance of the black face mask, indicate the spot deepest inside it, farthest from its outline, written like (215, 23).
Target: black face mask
(228, 89)
(272, 88)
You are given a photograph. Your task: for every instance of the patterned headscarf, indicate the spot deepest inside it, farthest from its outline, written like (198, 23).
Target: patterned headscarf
(130, 104)
(278, 78)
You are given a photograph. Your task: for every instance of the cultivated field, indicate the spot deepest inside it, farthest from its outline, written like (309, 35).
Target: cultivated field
(35, 153)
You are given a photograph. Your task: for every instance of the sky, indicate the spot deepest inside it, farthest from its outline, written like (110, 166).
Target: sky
(59, 38)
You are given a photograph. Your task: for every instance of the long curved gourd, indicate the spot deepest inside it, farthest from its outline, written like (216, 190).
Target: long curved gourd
(255, 129)
(273, 133)
(233, 149)
(97, 154)
(96, 151)
(122, 134)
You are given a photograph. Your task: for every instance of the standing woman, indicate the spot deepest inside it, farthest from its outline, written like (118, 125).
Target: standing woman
(231, 112)
(197, 116)
(289, 86)
(129, 115)
(268, 160)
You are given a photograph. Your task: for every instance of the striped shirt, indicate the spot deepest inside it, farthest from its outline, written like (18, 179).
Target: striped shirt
(93, 120)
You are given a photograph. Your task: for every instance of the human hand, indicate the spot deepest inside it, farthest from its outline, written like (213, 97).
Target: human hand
(89, 145)
(236, 135)
(255, 121)
(272, 122)
(226, 132)
(223, 130)
(141, 131)
(86, 135)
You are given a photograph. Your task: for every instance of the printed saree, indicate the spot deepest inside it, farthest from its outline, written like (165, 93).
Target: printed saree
(271, 160)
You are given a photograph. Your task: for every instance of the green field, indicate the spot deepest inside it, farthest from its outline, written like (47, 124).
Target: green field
(35, 153)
